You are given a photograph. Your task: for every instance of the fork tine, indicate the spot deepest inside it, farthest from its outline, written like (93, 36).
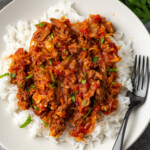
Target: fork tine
(147, 71)
(140, 76)
(142, 72)
(146, 77)
(138, 73)
(134, 71)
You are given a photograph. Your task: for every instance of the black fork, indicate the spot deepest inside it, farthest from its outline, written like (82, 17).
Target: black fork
(140, 82)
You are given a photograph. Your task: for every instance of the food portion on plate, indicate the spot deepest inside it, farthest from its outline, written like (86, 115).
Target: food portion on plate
(71, 79)
(69, 74)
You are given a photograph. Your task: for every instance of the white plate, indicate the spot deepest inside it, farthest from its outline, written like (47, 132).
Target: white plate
(14, 138)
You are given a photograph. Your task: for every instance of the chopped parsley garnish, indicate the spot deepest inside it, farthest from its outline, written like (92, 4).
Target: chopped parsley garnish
(85, 74)
(45, 124)
(41, 24)
(36, 108)
(68, 58)
(42, 66)
(73, 98)
(32, 86)
(113, 83)
(30, 76)
(43, 72)
(95, 59)
(32, 101)
(3, 75)
(77, 92)
(53, 79)
(52, 85)
(49, 40)
(83, 81)
(13, 63)
(12, 75)
(88, 113)
(52, 36)
(140, 7)
(112, 69)
(84, 102)
(102, 40)
(51, 62)
(83, 48)
(20, 85)
(26, 122)
(94, 101)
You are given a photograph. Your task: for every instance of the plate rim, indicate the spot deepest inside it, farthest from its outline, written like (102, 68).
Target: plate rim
(6, 7)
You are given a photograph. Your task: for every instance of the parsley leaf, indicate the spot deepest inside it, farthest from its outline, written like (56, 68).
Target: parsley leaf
(3, 75)
(41, 24)
(77, 92)
(32, 101)
(26, 122)
(102, 40)
(68, 58)
(113, 83)
(53, 79)
(84, 102)
(52, 85)
(42, 66)
(83, 48)
(20, 85)
(32, 86)
(30, 76)
(112, 69)
(88, 113)
(36, 108)
(13, 75)
(73, 98)
(52, 36)
(83, 81)
(95, 59)
(140, 7)
(85, 74)
(45, 124)
(51, 62)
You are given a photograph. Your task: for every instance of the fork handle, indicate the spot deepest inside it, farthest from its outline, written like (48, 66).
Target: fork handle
(119, 141)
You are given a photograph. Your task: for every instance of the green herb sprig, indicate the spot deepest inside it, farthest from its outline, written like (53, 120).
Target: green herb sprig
(52, 85)
(3, 75)
(36, 108)
(73, 98)
(13, 75)
(84, 102)
(30, 76)
(87, 113)
(41, 24)
(112, 69)
(28, 120)
(51, 62)
(140, 7)
(45, 124)
(95, 59)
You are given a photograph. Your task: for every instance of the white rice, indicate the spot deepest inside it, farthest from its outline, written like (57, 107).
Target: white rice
(19, 36)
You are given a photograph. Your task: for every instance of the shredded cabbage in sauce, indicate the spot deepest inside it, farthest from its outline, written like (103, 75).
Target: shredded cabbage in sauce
(69, 74)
